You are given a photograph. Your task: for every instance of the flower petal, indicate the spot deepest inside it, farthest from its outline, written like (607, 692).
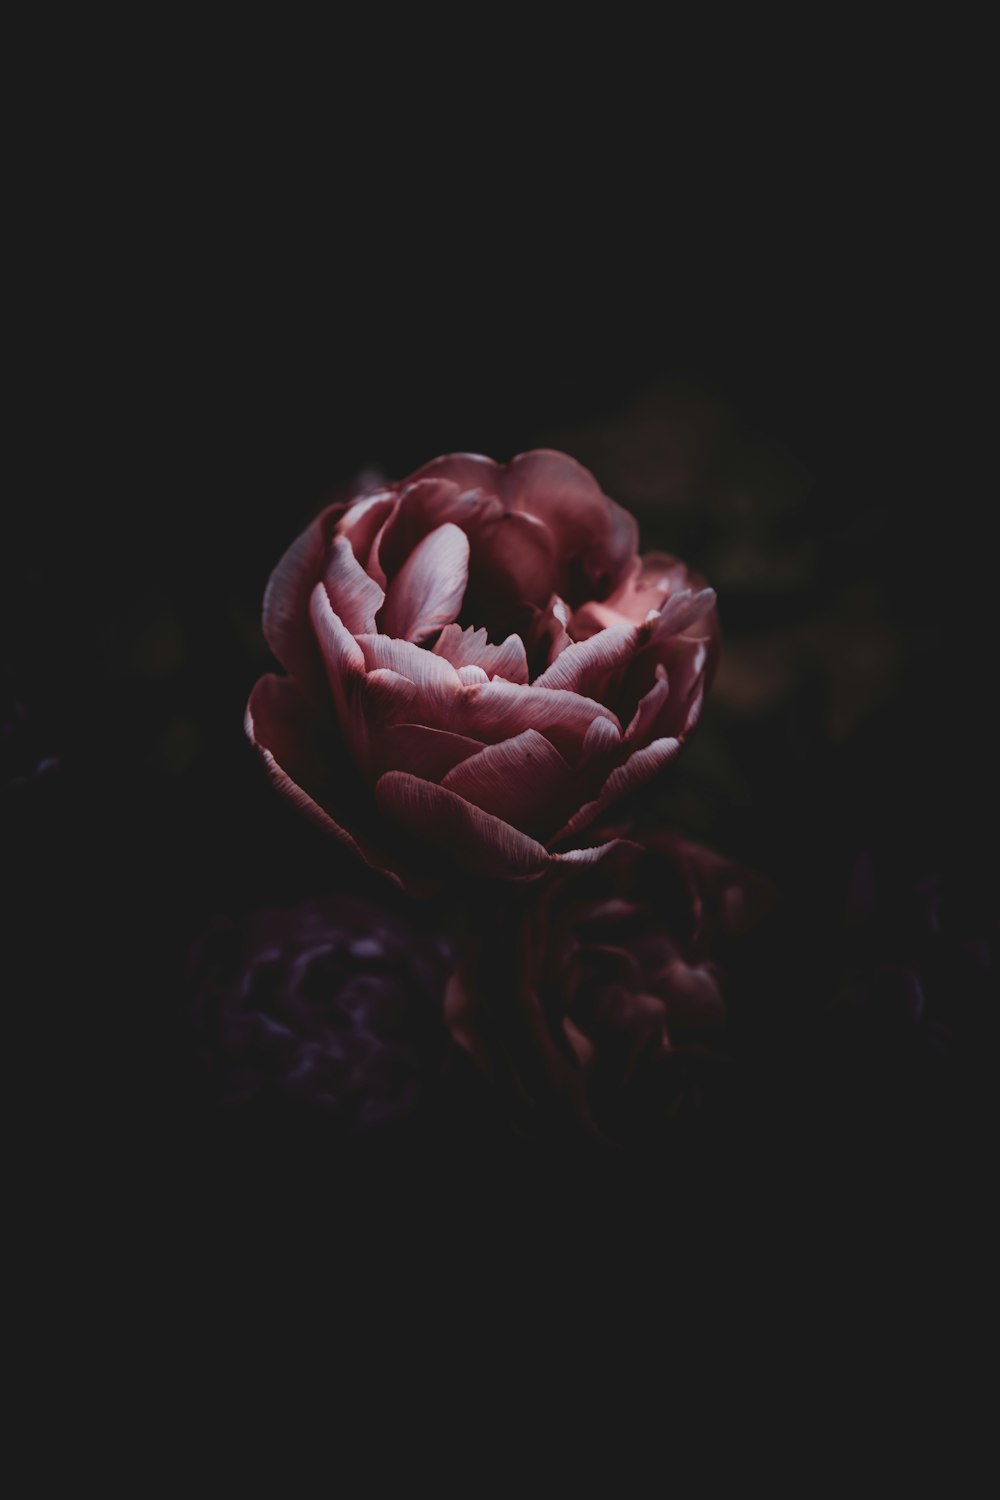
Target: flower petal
(424, 505)
(426, 594)
(640, 768)
(497, 710)
(591, 531)
(355, 597)
(480, 842)
(521, 780)
(470, 647)
(424, 752)
(286, 600)
(314, 770)
(365, 519)
(423, 667)
(588, 666)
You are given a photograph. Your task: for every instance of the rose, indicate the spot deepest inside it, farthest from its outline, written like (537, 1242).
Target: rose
(480, 664)
(604, 998)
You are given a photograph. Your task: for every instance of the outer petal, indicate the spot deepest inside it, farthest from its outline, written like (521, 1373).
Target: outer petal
(480, 842)
(469, 471)
(497, 710)
(355, 597)
(521, 780)
(640, 768)
(484, 844)
(313, 769)
(426, 593)
(586, 524)
(286, 600)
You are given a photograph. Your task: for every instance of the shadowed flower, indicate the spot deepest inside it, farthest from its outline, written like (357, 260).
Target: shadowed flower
(479, 664)
(604, 1000)
(332, 1008)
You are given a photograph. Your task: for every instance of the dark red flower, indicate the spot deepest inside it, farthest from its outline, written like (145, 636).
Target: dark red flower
(607, 987)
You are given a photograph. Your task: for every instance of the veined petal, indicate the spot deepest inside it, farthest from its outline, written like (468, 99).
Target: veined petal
(480, 842)
(426, 594)
(424, 505)
(471, 647)
(520, 780)
(286, 600)
(640, 768)
(366, 517)
(497, 710)
(587, 666)
(318, 778)
(423, 667)
(355, 597)
(424, 752)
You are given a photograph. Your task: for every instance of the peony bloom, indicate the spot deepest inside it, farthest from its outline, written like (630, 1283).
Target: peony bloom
(605, 1000)
(479, 665)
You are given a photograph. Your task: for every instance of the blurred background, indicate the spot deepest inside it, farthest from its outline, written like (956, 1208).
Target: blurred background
(777, 376)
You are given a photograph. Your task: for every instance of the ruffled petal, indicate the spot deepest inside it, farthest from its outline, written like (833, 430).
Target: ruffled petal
(426, 594)
(471, 647)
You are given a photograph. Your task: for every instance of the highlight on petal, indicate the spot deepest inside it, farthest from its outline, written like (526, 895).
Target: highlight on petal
(588, 666)
(286, 599)
(423, 667)
(521, 780)
(355, 597)
(365, 519)
(424, 505)
(471, 648)
(497, 710)
(426, 594)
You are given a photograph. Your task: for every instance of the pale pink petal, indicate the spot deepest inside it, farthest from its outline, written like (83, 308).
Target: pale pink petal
(424, 752)
(469, 675)
(521, 780)
(354, 596)
(423, 667)
(286, 599)
(685, 660)
(497, 710)
(424, 505)
(479, 842)
(365, 519)
(341, 653)
(601, 738)
(681, 611)
(426, 594)
(588, 666)
(640, 768)
(471, 647)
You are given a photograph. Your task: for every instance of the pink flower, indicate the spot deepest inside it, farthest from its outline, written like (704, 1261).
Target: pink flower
(603, 1000)
(479, 665)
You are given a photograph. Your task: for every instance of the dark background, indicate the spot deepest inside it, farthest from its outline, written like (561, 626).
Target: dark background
(774, 363)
